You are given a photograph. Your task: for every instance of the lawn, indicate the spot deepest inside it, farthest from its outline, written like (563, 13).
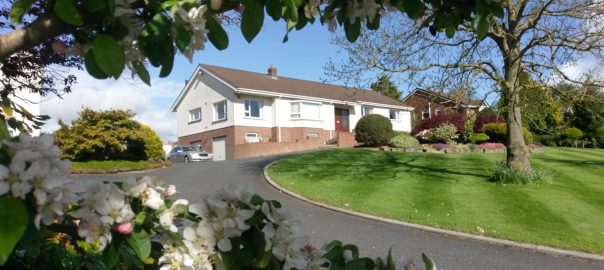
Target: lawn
(115, 166)
(451, 191)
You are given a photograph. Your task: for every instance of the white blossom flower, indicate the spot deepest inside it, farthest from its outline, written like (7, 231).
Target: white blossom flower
(93, 230)
(311, 10)
(166, 218)
(114, 208)
(153, 199)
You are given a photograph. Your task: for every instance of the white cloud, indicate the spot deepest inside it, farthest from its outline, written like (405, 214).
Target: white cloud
(151, 104)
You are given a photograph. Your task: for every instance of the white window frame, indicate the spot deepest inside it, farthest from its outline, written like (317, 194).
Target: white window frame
(300, 115)
(248, 109)
(297, 114)
(216, 114)
(437, 111)
(424, 112)
(365, 110)
(252, 139)
(192, 114)
(312, 135)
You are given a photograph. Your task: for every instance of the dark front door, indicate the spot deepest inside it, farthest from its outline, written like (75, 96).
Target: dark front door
(342, 119)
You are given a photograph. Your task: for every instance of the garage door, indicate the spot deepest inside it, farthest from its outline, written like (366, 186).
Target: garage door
(219, 148)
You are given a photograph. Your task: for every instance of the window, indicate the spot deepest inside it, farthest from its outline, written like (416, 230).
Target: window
(305, 110)
(365, 110)
(220, 110)
(253, 108)
(195, 115)
(252, 137)
(437, 111)
(426, 111)
(295, 113)
(312, 135)
(394, 114)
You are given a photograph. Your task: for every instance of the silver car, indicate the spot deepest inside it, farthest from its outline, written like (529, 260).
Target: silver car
(188, 154)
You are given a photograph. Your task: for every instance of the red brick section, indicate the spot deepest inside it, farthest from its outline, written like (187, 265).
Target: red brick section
(346, 139)
(207, 137)
(419, 102)
(273, 148)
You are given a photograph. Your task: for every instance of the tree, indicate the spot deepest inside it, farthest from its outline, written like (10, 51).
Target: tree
(107, 135)
(541, 38)
(386, 87)
(587, 114)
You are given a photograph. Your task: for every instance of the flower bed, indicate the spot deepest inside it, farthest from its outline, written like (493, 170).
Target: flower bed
(462, 148)
(138, 224)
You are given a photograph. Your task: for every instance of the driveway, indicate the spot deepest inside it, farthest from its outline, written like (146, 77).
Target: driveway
(373, 238)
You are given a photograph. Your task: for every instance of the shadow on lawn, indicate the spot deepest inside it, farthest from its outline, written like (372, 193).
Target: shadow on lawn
(574, 162)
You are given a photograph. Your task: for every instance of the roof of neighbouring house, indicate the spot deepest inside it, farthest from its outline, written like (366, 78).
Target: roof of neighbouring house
(284, 85)
(446, 97)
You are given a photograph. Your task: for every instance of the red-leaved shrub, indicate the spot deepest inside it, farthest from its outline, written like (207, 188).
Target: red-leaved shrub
(454, 118)
(483, 119)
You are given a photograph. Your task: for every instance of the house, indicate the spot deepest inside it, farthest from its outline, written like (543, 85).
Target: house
(428, 103)
(236, 114)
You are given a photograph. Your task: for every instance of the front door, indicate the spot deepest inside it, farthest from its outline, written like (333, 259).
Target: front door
(342, 119)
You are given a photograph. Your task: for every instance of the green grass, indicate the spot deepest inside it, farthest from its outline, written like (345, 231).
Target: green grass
(452, 191)
(114, 166)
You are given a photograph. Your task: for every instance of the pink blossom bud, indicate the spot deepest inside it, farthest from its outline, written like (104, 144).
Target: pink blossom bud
(124, 227)
(59, 47)
(170, 190)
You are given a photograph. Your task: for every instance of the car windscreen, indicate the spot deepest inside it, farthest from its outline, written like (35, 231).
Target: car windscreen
(189, 149)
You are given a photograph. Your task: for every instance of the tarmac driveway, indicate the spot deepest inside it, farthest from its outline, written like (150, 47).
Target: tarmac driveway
(373, 238)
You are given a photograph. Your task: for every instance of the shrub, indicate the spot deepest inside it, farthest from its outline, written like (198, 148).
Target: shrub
(154, 149)
(373, 130)
(440, 146)
(497, 132)
(547, 139)
(502, 174)
(573, 133)
(479, 138)
(445, 133)
(600, 135)
(404, 141)
(483, 119)
(435, 121)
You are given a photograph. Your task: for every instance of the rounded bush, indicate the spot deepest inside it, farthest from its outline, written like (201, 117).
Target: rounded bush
(497, 132)
(573, 133)
(445, 133)
(478, 138)
(373, 130)
(404, 141)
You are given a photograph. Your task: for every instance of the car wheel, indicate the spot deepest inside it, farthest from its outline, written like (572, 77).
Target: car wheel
(186, 159)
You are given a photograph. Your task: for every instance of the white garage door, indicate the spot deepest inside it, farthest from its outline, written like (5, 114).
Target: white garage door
(219, 148)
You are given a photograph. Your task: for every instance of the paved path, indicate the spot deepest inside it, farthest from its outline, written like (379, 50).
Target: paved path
(373, 238)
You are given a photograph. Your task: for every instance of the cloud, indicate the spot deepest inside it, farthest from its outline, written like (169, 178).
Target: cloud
(151, 104)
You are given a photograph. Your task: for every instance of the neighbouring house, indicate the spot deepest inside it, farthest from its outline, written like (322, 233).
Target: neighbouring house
(236, 114)
(428, 103)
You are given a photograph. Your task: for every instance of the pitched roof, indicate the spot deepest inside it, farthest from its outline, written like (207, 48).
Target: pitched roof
(448, 98)
(284, 85)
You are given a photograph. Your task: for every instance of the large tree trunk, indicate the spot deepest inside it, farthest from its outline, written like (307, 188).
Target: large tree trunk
(517, 152)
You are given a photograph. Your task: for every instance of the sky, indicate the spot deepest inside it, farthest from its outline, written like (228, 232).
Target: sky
(303, 56)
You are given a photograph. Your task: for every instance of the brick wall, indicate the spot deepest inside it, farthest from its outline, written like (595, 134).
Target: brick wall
(418, 102)
(207, 137)
(274, 148)
(346, 139)
(265, 133)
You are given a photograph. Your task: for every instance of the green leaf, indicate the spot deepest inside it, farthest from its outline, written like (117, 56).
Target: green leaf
(140, 243)
(67, 11)
(414, 8)
(353, 249)
(92, 67)
(217, 35)
(496, 8)
(143, 74)
(183, 38)
(109, 55)
(167, 61)
(252, 19)
(4, 135)
(482, 29)
(352, 30)
(14, 222)
(375, 23)
(19, 8)
(302, 21)
(360, 264)
(94, 5)
(450, 31)
(274, 8)
(111, 255)
(428, 262)
(390, 264)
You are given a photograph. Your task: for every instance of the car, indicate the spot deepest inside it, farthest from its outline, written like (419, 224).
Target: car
(189, 154)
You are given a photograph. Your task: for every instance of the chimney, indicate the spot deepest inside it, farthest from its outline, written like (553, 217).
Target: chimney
(272, 72)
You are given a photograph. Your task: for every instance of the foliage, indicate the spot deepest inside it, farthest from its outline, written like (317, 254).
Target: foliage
(547, 139)
(497, 132)
(600, 135)
(116, 166)
(137, 224)
(440, 146)
(502, 174)
(385, 86)
(478, 138)
(373, 130)
(445, 133)
(107, 135)
(454, 118)
(573, 133)
(541, 113)
(468, 131)
(404, 141)
(587, 114)
(486, 118)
